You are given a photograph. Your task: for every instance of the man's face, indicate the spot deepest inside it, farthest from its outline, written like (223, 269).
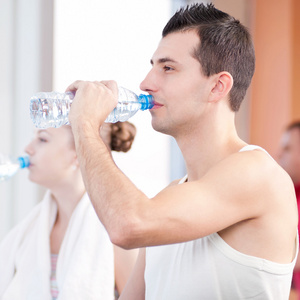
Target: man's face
(289, 156)
(179, 88)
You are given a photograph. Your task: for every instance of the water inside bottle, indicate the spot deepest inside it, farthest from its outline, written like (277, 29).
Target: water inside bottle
(50, 109)
(123, 111)
(7, 170)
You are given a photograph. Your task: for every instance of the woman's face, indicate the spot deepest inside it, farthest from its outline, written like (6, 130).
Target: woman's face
(52, 155)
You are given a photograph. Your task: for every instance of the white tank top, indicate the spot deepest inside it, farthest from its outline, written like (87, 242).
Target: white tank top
(208, 269)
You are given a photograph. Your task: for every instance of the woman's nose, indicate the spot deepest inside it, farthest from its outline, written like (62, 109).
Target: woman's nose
(29, 149)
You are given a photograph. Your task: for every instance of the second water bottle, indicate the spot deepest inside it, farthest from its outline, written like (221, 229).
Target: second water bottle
(9, 166)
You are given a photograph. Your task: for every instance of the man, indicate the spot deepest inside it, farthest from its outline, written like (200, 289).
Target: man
(289, 159)
(228, 229)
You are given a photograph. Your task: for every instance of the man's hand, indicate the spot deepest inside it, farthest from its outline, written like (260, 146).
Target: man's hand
(92, 103)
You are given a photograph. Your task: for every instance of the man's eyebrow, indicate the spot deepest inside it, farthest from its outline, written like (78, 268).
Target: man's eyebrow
(163, 60)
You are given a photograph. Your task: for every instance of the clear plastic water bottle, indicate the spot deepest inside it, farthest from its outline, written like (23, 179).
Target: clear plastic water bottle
(52, 109)
(9, 166)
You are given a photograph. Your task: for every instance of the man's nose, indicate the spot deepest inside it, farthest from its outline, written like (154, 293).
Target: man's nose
(149, 83)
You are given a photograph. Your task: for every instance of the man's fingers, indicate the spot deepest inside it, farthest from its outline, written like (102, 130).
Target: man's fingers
(112, 85)
(74, 86)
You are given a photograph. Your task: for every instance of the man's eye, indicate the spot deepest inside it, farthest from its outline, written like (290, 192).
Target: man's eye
(166, 68)
(42, 140)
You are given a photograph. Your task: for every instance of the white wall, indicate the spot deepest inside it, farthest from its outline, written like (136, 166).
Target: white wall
(23, 32)
(97, 40)
(6, 75)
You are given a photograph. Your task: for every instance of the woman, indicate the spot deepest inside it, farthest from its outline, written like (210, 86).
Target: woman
(61, 250)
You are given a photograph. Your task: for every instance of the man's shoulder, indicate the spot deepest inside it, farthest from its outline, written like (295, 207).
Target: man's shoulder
(262, 164)
(253, 172)
(256, 160)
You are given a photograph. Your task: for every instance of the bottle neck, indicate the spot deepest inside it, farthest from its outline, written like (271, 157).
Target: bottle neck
(24, 162)
(146, 101)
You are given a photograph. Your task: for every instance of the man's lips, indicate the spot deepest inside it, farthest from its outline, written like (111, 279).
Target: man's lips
(156, 105)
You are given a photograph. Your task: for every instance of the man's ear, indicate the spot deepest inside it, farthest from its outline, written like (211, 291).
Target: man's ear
(222, 85)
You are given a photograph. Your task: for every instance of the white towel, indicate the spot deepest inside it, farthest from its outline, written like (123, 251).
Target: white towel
(85, 265)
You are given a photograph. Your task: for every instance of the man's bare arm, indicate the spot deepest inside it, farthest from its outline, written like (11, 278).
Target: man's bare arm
(237, 188)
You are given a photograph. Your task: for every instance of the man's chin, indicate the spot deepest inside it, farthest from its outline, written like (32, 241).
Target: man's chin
(159, 127)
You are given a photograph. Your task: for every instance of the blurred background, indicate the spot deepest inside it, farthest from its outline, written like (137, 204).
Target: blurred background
(47, 44)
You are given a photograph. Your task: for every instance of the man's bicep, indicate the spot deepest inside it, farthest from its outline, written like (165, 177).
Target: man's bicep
(223, 197)
(135, 287)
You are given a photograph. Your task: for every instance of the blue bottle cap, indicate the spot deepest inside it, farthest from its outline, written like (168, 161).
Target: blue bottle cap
(147, 101)
(24, 161)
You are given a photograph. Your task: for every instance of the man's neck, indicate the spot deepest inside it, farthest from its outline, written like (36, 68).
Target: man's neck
(202, 149)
